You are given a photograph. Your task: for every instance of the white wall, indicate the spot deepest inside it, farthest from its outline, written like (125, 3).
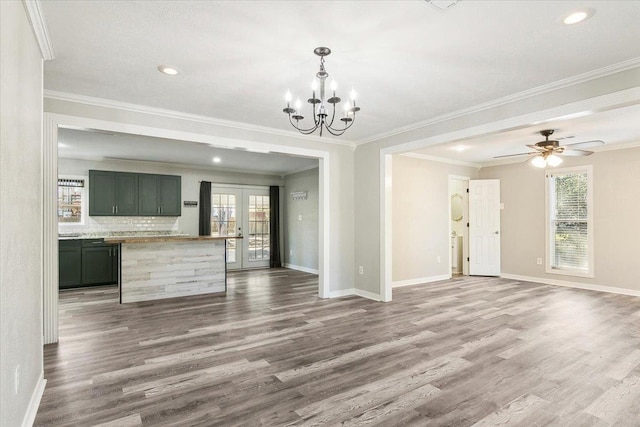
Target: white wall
(421, 217)
(301, 235)
(188, 222)
(616, 177)
(20, 216)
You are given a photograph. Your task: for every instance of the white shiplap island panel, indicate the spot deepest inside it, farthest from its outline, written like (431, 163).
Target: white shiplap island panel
(168, 268)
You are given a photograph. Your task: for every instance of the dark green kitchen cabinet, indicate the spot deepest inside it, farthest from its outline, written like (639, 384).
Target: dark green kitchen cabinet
(99, 262)
(113, 193)
(70, 263)
(159, 195)
(87, 262)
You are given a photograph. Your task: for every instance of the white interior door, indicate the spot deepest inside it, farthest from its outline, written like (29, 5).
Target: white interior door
(484, 227)
(256, 237)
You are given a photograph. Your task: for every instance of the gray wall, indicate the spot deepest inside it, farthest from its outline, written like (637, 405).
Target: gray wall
(190, 180)
(20, 213)
(421, 219)
(616, 177)
(301, 235)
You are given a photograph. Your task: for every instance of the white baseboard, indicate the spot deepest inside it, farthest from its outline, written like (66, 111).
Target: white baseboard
(34, 403)
(367, 294)
(420, 280)
(341, 293)
(300, 268)
(578, 285)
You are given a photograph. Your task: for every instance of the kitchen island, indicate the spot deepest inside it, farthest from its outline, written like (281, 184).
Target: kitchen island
(166, 267)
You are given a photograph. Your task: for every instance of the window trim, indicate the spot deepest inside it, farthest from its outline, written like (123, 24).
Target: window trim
(590, 228)
(84, 205)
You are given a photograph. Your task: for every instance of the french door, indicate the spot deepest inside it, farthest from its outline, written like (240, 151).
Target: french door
(242, 212)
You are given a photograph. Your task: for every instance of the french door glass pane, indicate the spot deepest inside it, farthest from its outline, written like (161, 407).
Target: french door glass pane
(224, 221)
(258, 228)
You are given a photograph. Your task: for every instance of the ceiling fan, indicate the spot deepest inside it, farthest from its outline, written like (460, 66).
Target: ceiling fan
(547, 152)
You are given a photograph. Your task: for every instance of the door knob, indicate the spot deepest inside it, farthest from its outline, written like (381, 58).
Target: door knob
(497, 232)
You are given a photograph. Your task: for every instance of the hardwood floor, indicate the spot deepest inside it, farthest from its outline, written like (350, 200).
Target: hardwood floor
(470, 351)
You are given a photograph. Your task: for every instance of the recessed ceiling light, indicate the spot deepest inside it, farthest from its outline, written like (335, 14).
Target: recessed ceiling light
(217, 159)
(578, 16)
(459, 148)
(167, 70)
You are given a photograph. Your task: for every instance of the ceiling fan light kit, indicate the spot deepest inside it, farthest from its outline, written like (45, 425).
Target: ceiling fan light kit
(319, 106)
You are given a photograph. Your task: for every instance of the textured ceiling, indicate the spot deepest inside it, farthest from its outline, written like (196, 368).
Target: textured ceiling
(408, 61)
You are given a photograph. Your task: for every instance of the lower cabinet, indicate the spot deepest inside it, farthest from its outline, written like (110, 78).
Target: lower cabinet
(87, 262)
(70, 263)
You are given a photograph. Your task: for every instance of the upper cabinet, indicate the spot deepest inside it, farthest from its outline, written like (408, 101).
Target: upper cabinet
(113, 193)
(159, 195)
(133, 194)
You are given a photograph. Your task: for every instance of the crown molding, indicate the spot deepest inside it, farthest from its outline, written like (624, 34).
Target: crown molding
(39, 27)
(137, 108)
(441, 160)
(560, 84)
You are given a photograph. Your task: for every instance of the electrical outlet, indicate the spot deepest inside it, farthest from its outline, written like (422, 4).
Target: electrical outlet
(361, 270)
(290, 252)
(539, 261)
(17, 379)
(300, 217)
(439, 259)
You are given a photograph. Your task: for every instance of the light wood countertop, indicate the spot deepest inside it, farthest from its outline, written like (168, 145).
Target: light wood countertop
(159, 239)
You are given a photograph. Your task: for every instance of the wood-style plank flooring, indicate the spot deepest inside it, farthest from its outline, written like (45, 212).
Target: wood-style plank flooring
(470, 351)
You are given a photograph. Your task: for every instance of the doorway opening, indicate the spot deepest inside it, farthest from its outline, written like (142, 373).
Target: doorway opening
(458, 230)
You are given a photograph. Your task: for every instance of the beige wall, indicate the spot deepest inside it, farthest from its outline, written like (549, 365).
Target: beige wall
(301, 235)
(421, 222)
(20, 214)
(616, 177)
(515, 114)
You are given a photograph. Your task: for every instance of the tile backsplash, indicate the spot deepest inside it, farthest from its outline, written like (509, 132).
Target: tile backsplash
(120, 224)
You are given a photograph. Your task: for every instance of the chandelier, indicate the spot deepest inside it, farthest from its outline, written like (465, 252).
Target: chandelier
(319, 105)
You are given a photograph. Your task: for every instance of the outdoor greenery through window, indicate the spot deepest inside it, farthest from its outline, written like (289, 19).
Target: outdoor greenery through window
(70, 200)
(569, 221)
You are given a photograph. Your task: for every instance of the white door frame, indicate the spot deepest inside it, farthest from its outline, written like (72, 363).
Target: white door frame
(587, 106)
(52, 121)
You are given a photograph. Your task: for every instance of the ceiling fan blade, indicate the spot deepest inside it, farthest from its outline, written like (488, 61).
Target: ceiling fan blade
(575, 153)
(514, 155)
(537, 148)
(586, 144)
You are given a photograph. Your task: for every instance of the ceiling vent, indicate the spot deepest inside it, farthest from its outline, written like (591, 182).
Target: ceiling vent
(442, 5)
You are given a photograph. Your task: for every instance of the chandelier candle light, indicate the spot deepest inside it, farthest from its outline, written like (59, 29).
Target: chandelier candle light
(318, 105)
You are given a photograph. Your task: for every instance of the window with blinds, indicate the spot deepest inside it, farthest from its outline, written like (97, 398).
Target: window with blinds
(71, 200)
(569, 221)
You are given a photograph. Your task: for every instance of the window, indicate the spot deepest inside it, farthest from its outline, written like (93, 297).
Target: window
(71, 201)
(570, 221)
